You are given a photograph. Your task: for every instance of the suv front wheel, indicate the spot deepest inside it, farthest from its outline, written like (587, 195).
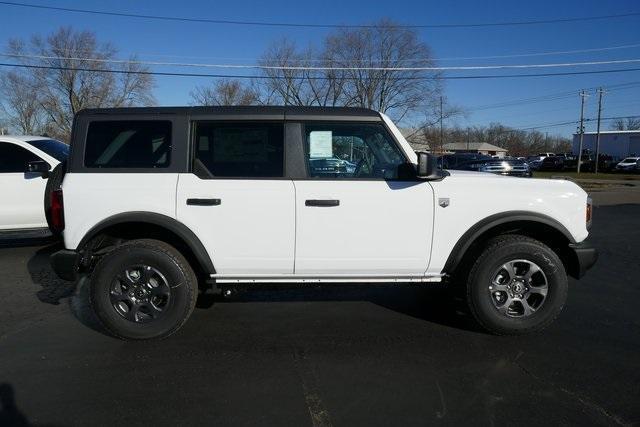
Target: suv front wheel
(143, 289)
(516, 286)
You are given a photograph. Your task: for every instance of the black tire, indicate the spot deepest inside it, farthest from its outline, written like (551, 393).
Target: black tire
(483, 302)
(54, 181)
(159, 257)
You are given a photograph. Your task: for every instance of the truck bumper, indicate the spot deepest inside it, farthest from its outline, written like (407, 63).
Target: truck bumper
(65, 264)
(584, 257)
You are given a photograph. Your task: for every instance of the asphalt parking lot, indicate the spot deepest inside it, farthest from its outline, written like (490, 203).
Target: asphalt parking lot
(380, 355)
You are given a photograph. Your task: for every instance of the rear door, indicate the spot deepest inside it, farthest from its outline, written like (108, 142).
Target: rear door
(366, 217)
(21, 192)
(237, 200)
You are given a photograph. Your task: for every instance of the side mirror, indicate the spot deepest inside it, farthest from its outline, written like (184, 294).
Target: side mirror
(40, 167)
(427, 166)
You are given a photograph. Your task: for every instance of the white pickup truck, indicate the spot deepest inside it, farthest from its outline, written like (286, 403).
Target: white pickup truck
(158, 200)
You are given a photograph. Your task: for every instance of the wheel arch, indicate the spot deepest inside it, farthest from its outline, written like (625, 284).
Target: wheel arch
(134, 225)
(538, 226)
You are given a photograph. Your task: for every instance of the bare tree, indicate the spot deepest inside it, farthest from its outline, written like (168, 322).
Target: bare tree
(225, 92)
(631, 123)
(378, 48)
(342, 78)
(301, 87)
(76, 74)
(21, 102)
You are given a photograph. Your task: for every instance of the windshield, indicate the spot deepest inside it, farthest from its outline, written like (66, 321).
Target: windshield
(56, 149)
(630, 160)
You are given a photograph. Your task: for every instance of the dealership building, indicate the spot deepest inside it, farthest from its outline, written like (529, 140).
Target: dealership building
(616, 143)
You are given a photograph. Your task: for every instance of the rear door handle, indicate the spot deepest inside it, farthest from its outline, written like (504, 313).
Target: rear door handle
(204, 202)
(322, 203)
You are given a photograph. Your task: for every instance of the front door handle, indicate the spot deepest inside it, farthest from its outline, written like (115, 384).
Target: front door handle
(204, 202)
(322, 203)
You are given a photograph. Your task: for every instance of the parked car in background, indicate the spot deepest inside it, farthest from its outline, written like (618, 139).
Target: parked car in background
(552, 163)
(451, 161)
(509, 167)
(546, 154)
(630, 164)
(332, 166)
(606, 163)
(24, 160)
(534, 162)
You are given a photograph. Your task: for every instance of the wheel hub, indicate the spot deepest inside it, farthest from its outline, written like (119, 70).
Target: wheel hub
(518, 288)
(140, 294)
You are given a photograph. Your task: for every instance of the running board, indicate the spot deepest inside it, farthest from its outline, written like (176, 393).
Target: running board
(300, 278)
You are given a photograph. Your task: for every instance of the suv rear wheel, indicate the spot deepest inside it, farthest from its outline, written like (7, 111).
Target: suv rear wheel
(517, 285)
(143, 289)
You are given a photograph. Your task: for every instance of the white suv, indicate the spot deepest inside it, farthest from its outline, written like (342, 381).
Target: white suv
(24, 161)
(157, 200)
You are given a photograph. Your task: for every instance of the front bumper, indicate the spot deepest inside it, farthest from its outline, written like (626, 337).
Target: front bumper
(65, 263)
(584, 257)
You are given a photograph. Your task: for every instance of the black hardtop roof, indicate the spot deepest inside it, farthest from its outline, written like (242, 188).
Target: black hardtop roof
(253, 110)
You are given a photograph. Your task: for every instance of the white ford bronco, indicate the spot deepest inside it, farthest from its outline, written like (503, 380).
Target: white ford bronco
(155, 201)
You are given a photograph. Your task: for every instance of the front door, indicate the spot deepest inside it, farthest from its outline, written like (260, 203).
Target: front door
(22, 193)
(237, 200)
(356, 214)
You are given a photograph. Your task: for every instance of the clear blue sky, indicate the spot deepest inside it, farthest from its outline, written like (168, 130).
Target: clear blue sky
(217, 43)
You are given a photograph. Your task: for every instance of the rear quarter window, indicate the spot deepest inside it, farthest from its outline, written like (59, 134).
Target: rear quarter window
(128, 144)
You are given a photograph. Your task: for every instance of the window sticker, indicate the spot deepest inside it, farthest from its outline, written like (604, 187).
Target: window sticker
(320, 144)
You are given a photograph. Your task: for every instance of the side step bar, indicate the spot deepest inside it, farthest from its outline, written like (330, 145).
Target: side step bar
(299, 278)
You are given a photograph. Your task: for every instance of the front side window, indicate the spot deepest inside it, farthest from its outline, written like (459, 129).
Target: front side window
(351, 150)
(128, 144)
(241, 149)
(14, 159)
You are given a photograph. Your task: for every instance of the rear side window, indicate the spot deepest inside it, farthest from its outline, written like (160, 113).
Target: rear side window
(128, 144)
(14, 158)
(253, 150)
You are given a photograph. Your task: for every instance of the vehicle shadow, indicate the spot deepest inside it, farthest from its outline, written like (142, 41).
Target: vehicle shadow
(55, 290)
(430, 302)
(10, 415)
(434, 303)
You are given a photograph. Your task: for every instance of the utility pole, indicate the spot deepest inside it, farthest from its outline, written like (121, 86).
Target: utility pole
(600, 93)
(583, 95)
(441, 128)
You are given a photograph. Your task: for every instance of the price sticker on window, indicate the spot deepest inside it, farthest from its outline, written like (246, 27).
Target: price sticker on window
(320, 144)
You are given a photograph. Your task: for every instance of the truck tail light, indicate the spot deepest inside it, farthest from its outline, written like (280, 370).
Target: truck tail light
(57, 211)
(589, 212)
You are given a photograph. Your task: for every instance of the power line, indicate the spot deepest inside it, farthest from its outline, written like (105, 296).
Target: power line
(313, 68)
(241, 76)
(311, 25)
(549, 97)
(557, 52)
(571, 122)
(373, 60)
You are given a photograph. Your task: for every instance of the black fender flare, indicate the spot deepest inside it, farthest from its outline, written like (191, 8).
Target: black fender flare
(486, 224)
(163, 221)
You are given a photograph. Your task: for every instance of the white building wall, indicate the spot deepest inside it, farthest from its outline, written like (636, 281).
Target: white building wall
(617, 145)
